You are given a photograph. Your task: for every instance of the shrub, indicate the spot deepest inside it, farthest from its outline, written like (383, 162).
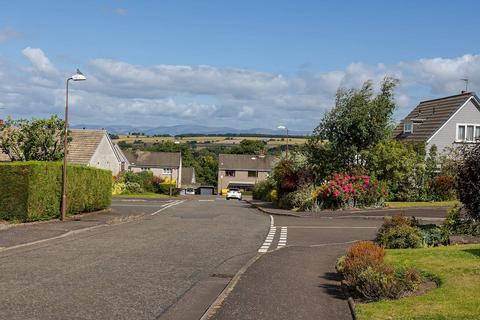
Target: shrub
(32, 190)
(468, 182)
(367, 274)
(456, 224)
(443, 188)
(432, 235)
(133, 187)
(347, 191)
(399, 232)
(263, 189)
(303, 198)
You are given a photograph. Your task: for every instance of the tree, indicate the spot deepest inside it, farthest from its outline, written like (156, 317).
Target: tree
(359, 120)
(248, 146)
(468, 182)
(36, 139)
(206, 169)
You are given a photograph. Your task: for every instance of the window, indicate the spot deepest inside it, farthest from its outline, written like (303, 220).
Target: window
(468, 132)
(167, 170)
(145, 169)
(408, 127)
(230, 173)
(252, 174)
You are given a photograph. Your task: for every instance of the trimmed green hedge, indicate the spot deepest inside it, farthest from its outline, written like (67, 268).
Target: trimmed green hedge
(32, 190)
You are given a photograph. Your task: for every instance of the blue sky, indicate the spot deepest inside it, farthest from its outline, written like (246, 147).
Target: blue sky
(236, 63)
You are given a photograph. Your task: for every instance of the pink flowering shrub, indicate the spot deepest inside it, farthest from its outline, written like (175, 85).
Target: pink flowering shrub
(350, 191)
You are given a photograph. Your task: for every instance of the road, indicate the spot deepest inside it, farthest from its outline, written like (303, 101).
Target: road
(171, 264)
(295, 277)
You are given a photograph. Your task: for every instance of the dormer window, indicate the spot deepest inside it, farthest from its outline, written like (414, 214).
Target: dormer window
(408, 127)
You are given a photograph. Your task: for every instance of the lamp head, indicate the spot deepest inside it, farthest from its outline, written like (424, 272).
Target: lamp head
(78, 76)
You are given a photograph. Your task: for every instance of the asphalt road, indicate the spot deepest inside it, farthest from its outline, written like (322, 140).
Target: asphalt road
(295, 278)
(171, 264)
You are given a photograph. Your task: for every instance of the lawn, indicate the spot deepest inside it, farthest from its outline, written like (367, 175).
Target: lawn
(142, 195)
(394, 204)
(458, 297)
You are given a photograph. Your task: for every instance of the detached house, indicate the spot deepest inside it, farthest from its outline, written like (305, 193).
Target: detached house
(92, 148)
(242, 170)
(162, 164)
(443, 122)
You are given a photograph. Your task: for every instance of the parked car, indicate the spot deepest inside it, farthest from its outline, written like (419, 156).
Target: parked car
(189, 191)
(234, 193)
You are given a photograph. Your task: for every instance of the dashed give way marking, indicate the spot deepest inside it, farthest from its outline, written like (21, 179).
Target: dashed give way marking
(168, 205)
(271, 235)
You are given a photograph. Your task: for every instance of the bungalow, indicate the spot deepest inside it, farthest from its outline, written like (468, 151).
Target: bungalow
(242, 170)
(162, 164)
(91, 148)
(443, 122)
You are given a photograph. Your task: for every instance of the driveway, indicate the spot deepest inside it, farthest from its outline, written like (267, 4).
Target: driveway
(169, 264)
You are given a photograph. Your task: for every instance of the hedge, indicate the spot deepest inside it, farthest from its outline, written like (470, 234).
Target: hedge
(32, 190)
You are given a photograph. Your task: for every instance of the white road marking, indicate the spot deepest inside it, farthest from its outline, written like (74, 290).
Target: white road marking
(283, 238)
(268, 240)
(174, 203)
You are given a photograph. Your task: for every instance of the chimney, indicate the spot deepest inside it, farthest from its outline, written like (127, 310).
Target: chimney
(463, 92)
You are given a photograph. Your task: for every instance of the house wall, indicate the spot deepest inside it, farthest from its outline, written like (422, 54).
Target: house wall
(469, 114)
(158, 172)
(241, 176)
(105, 158)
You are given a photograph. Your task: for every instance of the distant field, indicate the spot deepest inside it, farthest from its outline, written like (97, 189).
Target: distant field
(214, 140)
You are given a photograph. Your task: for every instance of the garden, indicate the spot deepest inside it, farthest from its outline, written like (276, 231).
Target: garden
(410, 266)
(143, 184)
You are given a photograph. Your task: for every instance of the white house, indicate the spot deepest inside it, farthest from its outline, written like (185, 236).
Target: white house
(443, 122)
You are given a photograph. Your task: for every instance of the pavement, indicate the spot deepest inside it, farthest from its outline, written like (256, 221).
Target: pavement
(171, 263)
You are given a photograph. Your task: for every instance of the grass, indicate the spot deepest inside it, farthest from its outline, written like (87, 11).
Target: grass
(142, 195)
(457, 298)
(394, 204)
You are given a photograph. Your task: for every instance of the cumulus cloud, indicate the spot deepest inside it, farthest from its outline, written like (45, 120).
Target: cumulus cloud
(120, 93)
(39, 61)
(8, 33)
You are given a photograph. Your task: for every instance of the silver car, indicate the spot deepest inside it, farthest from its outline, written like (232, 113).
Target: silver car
(234, 193)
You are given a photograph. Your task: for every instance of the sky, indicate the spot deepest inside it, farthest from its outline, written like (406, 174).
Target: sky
(241, 64)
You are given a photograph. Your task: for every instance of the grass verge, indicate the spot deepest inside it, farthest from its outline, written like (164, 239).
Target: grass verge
(143, 195)
(457, 298)
(395, 204)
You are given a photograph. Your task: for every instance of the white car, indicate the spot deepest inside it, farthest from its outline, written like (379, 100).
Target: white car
(234, 194)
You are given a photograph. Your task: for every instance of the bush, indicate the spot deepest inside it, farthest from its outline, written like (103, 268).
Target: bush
(468, 182)
(432, 235)
(303, 199)
(133, 187)
(263, 189)
(367, 274)
(443, 188)
(399, 232)
(348, 191)
(32, 190)
(456, 224)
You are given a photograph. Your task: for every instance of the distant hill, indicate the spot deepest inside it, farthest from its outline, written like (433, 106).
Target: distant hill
(191, 129)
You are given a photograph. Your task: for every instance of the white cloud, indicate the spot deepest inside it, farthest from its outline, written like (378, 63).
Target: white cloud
(8, 34)
(120, 93)
(40, 61)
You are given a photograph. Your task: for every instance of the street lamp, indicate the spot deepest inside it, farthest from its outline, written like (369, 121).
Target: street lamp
(78, 76)
(285, 128)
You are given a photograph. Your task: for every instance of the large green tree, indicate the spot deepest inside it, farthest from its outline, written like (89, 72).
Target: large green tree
(359, 120)
(36, 139)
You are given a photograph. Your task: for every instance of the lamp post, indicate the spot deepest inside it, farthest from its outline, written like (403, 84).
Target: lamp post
(78, 76)
(285, 128)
